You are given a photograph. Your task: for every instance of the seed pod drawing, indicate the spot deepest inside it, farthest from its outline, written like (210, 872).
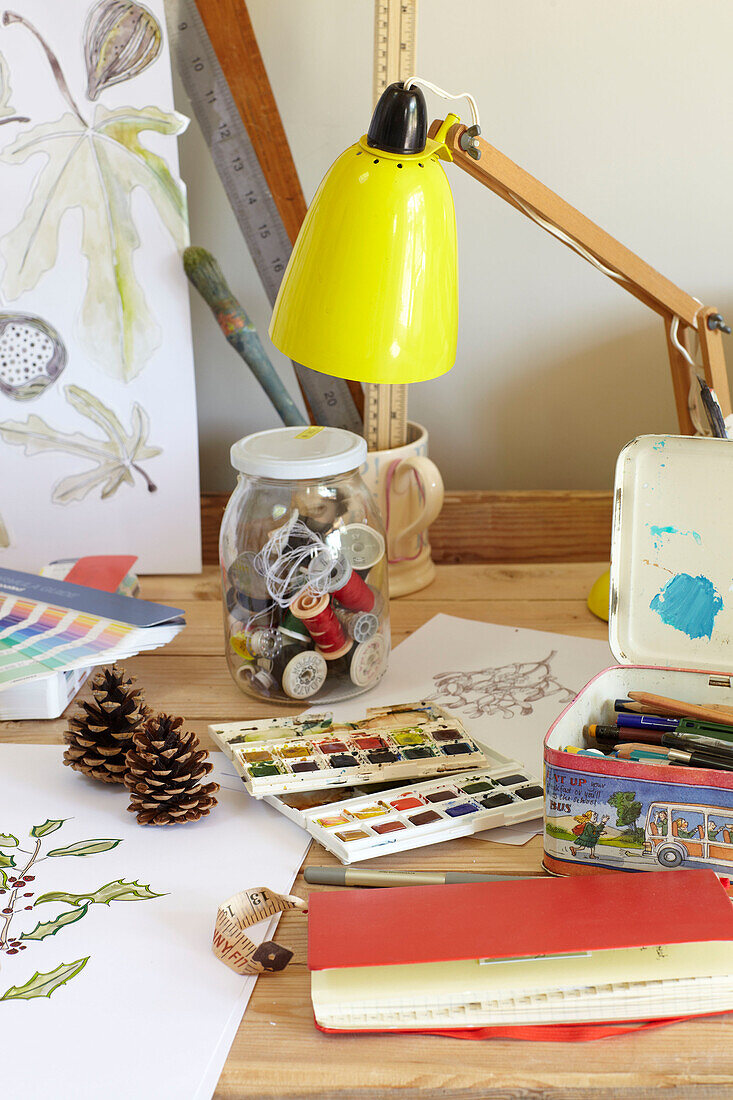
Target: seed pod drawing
(32, 355)
(121, 39)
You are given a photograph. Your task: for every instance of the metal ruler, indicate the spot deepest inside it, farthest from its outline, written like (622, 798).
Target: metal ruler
(246, 187)
(395, 43)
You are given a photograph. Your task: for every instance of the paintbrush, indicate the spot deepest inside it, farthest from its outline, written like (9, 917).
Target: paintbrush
(676, 707)
(205, 274)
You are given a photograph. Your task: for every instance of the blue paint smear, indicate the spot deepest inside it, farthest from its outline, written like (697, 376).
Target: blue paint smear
(658, 534)
(689, 604)
(659, 445)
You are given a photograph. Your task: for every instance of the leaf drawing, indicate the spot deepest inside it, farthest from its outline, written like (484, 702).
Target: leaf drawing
(15, 888)
(47, 827)
(95, 166)
(8, 840)
(114, 457)
(120, 890)
(7, 113)
(84, 848)
(6, 861)
(50, 928)
(43, 985)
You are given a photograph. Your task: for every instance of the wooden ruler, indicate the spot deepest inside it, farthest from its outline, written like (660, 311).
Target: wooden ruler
(395, 42)
(222, 71)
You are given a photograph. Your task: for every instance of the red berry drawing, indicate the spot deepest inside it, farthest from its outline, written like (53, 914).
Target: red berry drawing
(12, 951)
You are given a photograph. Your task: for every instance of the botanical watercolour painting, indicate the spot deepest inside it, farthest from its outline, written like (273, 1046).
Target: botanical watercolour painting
(97, 406)
(119, 931)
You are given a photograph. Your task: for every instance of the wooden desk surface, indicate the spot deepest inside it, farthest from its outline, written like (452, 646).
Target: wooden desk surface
(278, 1053)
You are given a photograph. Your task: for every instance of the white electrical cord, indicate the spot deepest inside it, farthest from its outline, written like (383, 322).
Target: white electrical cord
(446, 95)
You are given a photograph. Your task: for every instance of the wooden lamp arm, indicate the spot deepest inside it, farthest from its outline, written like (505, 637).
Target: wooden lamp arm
(521, 190)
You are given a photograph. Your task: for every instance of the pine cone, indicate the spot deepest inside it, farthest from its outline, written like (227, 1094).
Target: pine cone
(164, 772)
(101, 732)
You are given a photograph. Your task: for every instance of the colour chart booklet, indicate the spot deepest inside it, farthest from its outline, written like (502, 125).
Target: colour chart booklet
(506, 684)
(49, 626)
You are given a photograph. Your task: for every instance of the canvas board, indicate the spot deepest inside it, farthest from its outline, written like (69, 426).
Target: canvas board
(152, 1013)
(98, 433)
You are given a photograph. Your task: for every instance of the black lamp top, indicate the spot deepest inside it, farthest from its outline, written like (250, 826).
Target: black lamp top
(400, 120)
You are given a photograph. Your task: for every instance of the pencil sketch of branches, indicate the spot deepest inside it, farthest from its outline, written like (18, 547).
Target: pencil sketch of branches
(508, 690)
(16, 902)
(113, 457)
(95, 166)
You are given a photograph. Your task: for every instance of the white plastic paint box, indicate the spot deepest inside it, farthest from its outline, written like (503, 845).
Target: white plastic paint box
(671, 621)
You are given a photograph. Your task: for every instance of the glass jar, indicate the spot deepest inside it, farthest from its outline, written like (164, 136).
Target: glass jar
(304, 568)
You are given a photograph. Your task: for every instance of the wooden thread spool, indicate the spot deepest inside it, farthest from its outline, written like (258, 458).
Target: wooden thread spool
(355, 594)
(321, 623)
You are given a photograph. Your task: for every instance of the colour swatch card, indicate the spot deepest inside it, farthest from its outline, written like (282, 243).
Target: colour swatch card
(52, 626)
(106, 959)
(98, 432)
(506, 684)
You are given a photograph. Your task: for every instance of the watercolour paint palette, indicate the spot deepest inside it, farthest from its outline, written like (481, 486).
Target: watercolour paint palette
(391, 744)
(231, 734)
(398, 818)
(337, 760)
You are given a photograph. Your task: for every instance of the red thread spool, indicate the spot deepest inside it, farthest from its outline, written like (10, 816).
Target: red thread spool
(321, 623)
(355, 595)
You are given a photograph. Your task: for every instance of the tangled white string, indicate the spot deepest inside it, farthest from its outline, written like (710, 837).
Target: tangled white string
(285, 571)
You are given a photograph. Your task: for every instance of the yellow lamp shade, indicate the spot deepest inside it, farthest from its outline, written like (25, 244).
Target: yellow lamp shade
(371, 289)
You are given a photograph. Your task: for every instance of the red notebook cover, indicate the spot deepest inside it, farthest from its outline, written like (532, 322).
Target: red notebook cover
(494, 920)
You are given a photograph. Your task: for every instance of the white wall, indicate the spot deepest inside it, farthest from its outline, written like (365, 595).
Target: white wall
(621, 106)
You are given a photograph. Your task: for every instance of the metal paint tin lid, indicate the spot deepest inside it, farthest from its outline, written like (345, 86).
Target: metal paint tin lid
(295, 454)
(671, 601)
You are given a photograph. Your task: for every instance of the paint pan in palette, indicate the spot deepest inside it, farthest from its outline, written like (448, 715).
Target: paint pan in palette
(397, 818)
(355, 756)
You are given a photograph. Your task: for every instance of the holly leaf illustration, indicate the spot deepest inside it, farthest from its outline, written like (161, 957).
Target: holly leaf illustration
(96, 167)
(48, 826)
(43, 985)
(120, 890)
(8, 840)
(6, 861)
(50, 928)
(114, 456)
(85, 848)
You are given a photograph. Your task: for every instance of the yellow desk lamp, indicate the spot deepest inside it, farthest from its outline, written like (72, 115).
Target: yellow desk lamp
(370, 292)
(371, 289)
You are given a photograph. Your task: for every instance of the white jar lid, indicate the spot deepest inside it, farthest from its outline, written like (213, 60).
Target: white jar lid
(292, 454)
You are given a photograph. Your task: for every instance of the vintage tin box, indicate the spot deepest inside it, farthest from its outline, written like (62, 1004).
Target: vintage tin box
(670, 628)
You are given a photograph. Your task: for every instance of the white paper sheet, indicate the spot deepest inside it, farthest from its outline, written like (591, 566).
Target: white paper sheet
(506, 684)
(153, 1012)
(92, 225)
